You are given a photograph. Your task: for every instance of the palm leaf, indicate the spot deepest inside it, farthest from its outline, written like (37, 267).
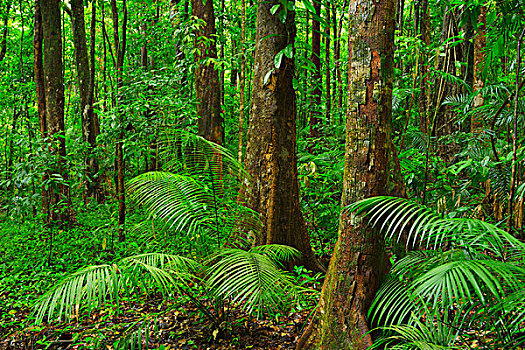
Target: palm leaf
(180, 200)
(251, 278)
(92, 285)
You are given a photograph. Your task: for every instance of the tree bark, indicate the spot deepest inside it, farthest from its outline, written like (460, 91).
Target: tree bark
(3, 45)
(38, 59)
(120, 48)
(270, 151)
(358, 262)
(480, 43)
(424, 86)
(327, 62)
(207, 88)
(242, 81)
(337, 59)
(59, 197)
(86, 92)
(316, 76)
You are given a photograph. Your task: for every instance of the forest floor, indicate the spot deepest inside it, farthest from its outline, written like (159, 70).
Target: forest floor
(168, 327)
(32, 260)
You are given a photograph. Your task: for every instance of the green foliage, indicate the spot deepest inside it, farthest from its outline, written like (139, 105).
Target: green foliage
(251, 279)
(470, 280)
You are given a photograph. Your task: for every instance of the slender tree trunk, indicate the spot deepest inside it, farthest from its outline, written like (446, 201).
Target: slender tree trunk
(207, 85)
(515, 136)
(86, 91)
(337, 59)
(444, 120)
(221, 52)
(316, 76)
(400, 8)
(242, 81)
(424, 81)
(22, 24)
(151, 155)
(327, 62)
(120, 48)
(3, 44)
(480, 43)
(38, 57)
(59, 198)
(270, 151)
(358, 262)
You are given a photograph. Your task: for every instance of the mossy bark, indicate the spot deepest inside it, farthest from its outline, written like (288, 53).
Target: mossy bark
(270, 150)
(358, 263)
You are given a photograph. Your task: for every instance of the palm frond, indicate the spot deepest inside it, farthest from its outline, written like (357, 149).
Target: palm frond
(251, 278)
(277, 252)
(162, 271)
(399, 217)
(92, 285)
(180, 200)
(417, 336)
(185, 152)
(393, 303)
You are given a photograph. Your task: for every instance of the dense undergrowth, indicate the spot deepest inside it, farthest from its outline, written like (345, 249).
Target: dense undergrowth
(36, 259)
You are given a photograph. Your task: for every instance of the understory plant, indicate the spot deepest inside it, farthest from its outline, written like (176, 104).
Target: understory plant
(462, 285)
(195, 198)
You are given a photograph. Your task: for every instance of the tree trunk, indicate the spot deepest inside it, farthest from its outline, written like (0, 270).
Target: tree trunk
(38, 58)
(3, 45)
(89, 132)
(445, 116)
(480, 43)
(59, 197)
(207, 88)
(424, 86)
(358, 262)
(337, 59)
(242, 81)
(270, 151)
(327, 62)
(120, 48)
(316, 76)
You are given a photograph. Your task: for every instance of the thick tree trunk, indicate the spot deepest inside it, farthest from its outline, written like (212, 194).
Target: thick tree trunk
(86, 91)
(315, 120)
(358, 262)
(207, 88)
(270, 151)
(59, 197)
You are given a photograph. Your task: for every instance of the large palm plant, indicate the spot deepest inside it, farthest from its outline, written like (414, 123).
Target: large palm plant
(464, 285)
(197, 200)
